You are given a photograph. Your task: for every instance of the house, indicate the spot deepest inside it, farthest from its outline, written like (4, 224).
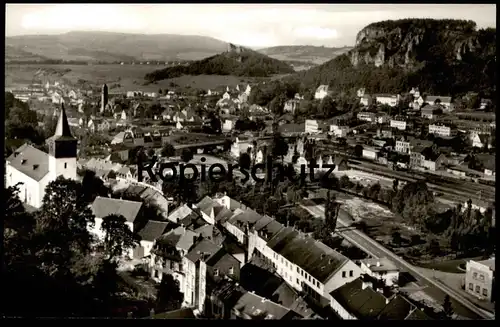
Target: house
(227, 126)
(444, 101)
(370, 153)
(311, 126)
(35, 169)
(195, 270)
(480, 278)
(481, 141)
(208, 208)
(291, 105)
(321, 92)
(403, 145)
(485, 104)
(442, 130)
(384, 133)
(432, 160)
(363, 299)
(431, 111)
(307, 265)
(381, 268)
(365, 100)
(387, 99)
(415, 92)
(399, 123)
(382, 118)
(339, 130)
(149, 234)
(489, 167)
(366, 116)
(103, 207)
(253, 307)
(222, 265)
(240, 223)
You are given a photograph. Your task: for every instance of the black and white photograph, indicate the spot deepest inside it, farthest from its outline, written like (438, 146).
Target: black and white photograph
(259, 161)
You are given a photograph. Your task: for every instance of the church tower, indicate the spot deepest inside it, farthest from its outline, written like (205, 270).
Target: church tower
(104, 97)
(62, 150)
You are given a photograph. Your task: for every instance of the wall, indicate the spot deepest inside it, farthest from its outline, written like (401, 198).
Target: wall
(338, 280)
(484, 283)
(340, 310)
(30, 191)
(388, 277)
(57, 167)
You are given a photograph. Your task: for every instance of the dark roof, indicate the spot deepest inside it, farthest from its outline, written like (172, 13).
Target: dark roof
(317, 259)
(153, 230)
(221, 256)
(433, 98)
(180, 238)
(431, 108)
(430, 154)
(30, 161)
(232, 246)
(228, 292)
(186, 313)
(102, 207)
(201, 248)
(270, 230)
(398, 309)
(292, 128)
(248, 216)
(62, 128)
(223, 215)
(418, 314)
(261, 223)
(255, 306)
(364, 304)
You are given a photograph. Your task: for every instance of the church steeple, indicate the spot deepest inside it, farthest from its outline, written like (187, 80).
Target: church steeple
(62, 129)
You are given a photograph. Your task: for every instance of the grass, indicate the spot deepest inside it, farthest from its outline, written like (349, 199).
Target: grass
(449, 266)
(126, 77)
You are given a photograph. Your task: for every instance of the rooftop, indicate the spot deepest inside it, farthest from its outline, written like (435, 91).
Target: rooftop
(490, 263)
(30, 161)
(153, 230)
(381, 264)
(102, 207)
(204, 247)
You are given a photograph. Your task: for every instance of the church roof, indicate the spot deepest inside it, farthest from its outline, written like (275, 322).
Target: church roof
(30, 161)
(62, 129)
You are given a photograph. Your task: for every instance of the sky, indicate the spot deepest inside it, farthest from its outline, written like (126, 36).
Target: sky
(254, 25)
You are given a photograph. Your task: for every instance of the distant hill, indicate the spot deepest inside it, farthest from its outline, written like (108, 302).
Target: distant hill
(236, 61)
(108, 46)
(445, 57)
(305, 54)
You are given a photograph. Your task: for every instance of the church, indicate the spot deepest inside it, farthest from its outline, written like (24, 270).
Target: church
(35, 169)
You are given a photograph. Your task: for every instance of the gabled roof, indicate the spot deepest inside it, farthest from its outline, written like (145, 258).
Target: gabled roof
(30, 161)
(180, 237)
(257, 307)
(102, 207)
(248, 216)
(221, 257)
(361, 303)
(322, 88)
(223, 215)
(433, 98)
(201, 248)
(397, 309)
(153, 230)
(418, 314)
(180, 213)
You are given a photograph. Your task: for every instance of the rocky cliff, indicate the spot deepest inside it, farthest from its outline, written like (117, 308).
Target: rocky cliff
(409, 42)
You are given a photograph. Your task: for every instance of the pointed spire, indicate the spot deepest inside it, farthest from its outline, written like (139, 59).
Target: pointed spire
(62, 128)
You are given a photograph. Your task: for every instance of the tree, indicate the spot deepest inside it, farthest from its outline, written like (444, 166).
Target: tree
(93, 186)
(279, 147)
(245, 161)
(395, 184)
(327, 107)
(187, 155)
(447, 307)
(169, 296)
(396, 238)
(167, 150)
(118, 236)
(332, 208)
(277, 105)
(61, 231)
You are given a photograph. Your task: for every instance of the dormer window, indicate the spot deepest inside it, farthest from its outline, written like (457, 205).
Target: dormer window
(35, 167)
(216, 272)
(23, 161)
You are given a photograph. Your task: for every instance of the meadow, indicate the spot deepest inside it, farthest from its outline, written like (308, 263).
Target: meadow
(120, 78)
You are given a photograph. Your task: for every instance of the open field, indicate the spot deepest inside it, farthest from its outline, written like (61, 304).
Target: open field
(123, 77)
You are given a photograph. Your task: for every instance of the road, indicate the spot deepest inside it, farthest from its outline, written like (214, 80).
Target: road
(461, 305)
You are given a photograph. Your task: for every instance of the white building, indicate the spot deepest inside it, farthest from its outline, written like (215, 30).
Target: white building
(103, 207)
(306, 264)
(480, 278)
(321, 92)
(388, 99)
(367, 116)
(149, 234)
(441, 100)
(227, 126)
(370, 153)
(35, 169)
(339, 130)
(399, 123)
(442, 130)
(311, 126)
(381, 268)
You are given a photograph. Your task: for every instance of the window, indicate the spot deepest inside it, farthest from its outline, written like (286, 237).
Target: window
(343, 274)
(485, 292)
(478, 289)
(481, 277)
(298, 282)
(474, 275)
(309, 277)
(231, 271)
(298, 269)
(216, 272)
(65, 165)
(351, 273)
